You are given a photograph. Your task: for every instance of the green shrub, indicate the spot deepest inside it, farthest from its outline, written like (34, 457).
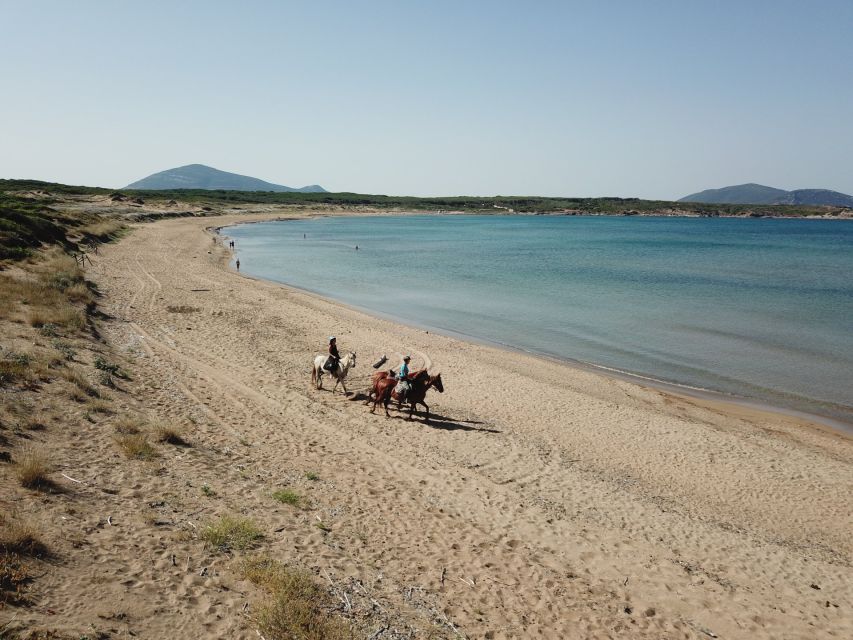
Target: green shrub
(231, 532)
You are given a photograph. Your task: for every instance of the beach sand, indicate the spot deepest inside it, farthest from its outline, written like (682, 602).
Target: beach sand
(542, 500)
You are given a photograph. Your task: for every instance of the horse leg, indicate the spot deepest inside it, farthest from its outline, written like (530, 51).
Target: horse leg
(426, 406)
(344, 386)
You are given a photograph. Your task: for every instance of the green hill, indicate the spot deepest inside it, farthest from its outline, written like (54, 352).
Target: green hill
(759, 194)
(199, 176)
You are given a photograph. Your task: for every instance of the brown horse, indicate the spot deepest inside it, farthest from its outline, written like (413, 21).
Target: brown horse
(420, 381)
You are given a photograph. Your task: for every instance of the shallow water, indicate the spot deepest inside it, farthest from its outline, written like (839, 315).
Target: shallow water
(757, 308)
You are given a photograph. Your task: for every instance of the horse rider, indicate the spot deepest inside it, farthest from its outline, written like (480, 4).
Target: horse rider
(403, 384)
(334, 356)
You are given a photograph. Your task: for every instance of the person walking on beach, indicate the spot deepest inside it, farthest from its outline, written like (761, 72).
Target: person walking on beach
(403, 383)
(334, 356)
(238, 264)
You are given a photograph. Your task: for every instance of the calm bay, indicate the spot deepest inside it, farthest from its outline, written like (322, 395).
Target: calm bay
(759, 309)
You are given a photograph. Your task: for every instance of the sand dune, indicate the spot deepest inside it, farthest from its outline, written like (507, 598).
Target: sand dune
(543, 501)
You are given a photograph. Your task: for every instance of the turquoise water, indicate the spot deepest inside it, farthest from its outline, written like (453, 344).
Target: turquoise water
(756, 308)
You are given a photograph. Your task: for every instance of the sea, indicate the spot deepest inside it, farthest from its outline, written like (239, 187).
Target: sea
(758, 310)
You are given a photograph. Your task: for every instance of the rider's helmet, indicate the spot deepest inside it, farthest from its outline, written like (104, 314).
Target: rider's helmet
(331, 338)
(406, 358)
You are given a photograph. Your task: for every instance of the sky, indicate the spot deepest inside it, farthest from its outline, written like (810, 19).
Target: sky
(646, 98)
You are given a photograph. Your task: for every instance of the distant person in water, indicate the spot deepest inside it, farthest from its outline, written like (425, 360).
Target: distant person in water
(238, 264)
(356, 247)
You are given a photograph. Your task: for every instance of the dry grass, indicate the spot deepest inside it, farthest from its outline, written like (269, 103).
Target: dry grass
(102, 231)
(129, 425)
(22, 538)
(100, 406)
(80, 382)
(231, 532)
(14, 578)
(298, 606)
(136, 446)
(36, 421)
(79, 293)
(23, 368)
(52, 294)
(170, 434)
(14, 368)
(31, 468)
(64, 316)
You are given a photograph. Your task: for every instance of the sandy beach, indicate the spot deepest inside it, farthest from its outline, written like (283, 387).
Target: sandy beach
(542, 500)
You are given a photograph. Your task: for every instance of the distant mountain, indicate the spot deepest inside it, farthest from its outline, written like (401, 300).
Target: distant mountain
(759, 194)
(199, 176)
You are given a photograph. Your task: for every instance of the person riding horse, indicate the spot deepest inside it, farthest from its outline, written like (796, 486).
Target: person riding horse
(334, 356)
(403, 384)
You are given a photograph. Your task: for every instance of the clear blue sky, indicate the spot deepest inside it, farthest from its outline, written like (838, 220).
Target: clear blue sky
(647, 98)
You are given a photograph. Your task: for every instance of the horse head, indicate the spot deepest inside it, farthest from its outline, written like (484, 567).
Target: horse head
(435, 381)
(348, 360)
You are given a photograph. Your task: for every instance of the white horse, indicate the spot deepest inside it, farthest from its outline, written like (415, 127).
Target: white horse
(340, 374)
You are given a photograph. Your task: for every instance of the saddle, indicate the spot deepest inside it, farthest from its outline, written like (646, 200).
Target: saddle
(402, 388)
(329, 365)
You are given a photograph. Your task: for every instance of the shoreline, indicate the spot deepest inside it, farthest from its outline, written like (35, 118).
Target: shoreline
(723, 400)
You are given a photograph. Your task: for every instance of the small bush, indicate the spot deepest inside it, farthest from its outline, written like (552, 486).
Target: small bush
(48, 329)
(106, 379)
(21, 538)
(129, 425)
(14, 577)
(136, 446)
(64, 348)
(14, 367)
(109, 367)
(206, 490)
(170, 434)
(100, 406)
(79, 293)
(232, 533)
(311, 475)
(31, 468)
(288, 497)
(298, 607)
(182, 309)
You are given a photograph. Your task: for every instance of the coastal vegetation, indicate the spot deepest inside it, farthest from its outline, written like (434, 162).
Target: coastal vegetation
(468, 204)
(63, 386)
(26, 223)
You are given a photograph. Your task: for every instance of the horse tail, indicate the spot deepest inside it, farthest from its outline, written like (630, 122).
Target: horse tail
(313, 373)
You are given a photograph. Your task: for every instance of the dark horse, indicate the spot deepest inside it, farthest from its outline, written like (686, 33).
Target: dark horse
(420, 381)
